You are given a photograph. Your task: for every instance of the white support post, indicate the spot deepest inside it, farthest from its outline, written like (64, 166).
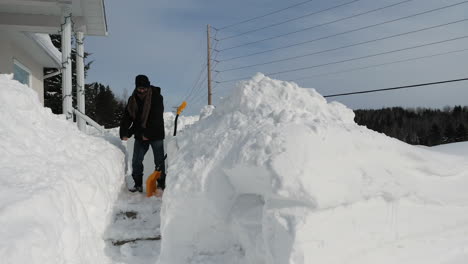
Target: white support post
(80, 93)
(66, 63)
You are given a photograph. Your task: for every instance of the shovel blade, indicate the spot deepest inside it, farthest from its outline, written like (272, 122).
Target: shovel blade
(152, 184)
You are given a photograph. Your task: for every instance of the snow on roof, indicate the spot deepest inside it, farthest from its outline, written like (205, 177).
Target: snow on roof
(44, 41)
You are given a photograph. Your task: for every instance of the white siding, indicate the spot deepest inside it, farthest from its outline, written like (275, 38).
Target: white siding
(10, 51)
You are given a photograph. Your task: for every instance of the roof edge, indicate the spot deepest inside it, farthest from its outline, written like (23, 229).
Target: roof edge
(44, 41)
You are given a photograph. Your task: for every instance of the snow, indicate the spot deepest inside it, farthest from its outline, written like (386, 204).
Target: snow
(206, 111)
(57, 185)
(183, 122)
(276, 174)
(135, 218)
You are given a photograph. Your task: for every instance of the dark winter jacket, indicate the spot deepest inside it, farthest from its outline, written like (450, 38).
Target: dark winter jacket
(154, 129)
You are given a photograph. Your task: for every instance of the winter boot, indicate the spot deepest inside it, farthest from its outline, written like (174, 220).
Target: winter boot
(136, 188)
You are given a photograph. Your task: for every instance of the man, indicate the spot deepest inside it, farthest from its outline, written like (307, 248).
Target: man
(143, 118)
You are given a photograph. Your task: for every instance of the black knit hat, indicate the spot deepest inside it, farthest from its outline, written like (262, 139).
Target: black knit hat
(142, 81)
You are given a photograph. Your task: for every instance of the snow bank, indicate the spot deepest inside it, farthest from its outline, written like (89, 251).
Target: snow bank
(278, 175)
(206, 111)
(57, 185)
(183, 122)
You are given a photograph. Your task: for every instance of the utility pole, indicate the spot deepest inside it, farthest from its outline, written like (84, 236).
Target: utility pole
(208, 40)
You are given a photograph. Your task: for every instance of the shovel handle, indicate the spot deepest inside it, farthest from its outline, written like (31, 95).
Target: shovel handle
(179, 111)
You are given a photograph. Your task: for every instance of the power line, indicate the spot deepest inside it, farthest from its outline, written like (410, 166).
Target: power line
(346, 32)
(289, 20)
(382, 64)
(396, 88)
(358, 58)
(196, 99)
(347, 46)
(319, 25)
(198, 79)
(199, 98)
(200, 93)
(262, 16)
(203, 68)
(202, 96)
(197, 89)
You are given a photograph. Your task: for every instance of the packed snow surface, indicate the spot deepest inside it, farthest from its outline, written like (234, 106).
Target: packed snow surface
(276, 174)
(57, 185)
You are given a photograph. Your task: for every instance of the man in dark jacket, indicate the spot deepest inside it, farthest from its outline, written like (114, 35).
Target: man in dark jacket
(143, 118)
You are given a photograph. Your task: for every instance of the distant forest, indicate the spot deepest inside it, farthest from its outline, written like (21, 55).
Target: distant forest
(420, 126)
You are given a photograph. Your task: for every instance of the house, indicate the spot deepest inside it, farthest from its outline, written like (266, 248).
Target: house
(25, 55)
(26, 48)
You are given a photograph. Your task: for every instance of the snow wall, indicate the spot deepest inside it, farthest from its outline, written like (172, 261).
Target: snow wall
(278, 175)
(57, 185)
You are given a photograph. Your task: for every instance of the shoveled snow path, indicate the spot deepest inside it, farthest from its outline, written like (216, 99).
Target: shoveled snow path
(134, 236)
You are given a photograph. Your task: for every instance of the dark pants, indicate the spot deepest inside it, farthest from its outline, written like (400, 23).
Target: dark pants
(139, 150)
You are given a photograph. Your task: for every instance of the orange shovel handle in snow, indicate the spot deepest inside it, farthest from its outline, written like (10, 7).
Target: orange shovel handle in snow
(181, 107)
(151, 183)
(179, 111)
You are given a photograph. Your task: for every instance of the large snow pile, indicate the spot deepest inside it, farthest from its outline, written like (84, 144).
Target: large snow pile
(278, 175)
(57, 185)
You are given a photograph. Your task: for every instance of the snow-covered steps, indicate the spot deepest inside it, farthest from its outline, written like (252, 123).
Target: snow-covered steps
(134, 235)
(133, 217)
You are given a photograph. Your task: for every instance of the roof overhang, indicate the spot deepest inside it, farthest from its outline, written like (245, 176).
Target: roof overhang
(45, 16)
(45, 43)
(38, 46)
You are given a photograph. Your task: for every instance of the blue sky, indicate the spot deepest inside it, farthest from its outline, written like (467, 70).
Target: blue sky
(166, 40)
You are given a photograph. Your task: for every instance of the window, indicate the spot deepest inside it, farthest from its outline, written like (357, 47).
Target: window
(21, 73)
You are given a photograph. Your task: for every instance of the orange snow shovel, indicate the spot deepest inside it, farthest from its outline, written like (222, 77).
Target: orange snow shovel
(151, 182)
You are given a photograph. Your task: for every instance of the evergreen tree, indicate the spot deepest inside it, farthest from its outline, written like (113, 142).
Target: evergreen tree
(53, 85)
(418, 126)
(434, 135)
(90, 99)
(449, 134)
(103, 106)
(457, 111)
(460, 133)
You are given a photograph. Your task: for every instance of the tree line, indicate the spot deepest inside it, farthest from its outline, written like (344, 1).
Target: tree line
(420, 126)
